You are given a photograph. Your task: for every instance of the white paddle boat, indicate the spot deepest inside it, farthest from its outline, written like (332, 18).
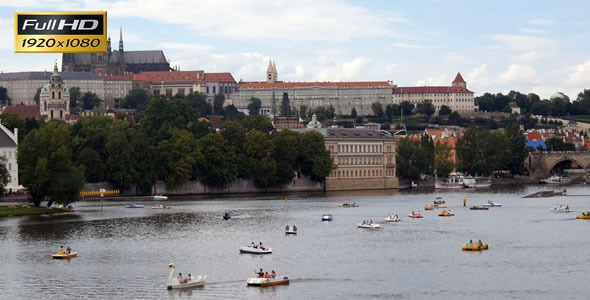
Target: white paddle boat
(174, 283)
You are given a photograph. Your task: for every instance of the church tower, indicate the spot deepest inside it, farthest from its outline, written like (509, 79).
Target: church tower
(121, 39)
(54, 98)
(459, 82)
(271, 72)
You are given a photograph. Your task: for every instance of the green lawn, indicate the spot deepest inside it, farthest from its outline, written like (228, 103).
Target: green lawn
(579, 118)
(19, 210)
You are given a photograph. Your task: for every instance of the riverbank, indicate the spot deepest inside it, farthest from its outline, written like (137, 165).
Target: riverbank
(25, 210)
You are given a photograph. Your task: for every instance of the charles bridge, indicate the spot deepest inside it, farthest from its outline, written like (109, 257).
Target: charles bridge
(540, 164)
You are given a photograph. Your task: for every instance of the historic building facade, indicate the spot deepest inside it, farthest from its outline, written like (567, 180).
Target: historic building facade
(343, 96)
(8, 149)
(362, 159)
(183, 83)
(116, 62)
(457, 97)
(54, 99)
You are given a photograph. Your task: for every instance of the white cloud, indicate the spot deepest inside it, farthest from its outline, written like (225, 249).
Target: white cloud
(542, 22)
(332, 20)
(530, 30)
(184, 46)
(6, 34)
(522, 42)
(406, 46)
(476, 74)
(390, 68)
(343, 71)
(31, 3)
(434, 81)
(529, 56)
(580, 75)
(517, 74)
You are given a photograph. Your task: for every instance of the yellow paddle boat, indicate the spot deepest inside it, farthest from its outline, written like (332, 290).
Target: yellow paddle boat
(445, 213)
(584, 216)
(474, 247)
(64, 255)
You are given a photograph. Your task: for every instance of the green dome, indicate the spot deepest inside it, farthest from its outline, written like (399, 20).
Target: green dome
(558, 95)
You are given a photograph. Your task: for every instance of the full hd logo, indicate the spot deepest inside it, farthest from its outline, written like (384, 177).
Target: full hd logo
(73, 32)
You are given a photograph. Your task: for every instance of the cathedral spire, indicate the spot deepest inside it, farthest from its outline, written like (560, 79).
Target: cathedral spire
(121, 39)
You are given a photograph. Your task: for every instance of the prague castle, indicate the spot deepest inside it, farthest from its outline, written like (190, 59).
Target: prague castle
(116, 62)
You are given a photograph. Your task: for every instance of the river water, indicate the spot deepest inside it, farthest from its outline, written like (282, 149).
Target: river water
(124, 253)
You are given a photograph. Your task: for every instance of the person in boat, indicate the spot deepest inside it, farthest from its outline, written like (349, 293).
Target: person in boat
(189, 277)
(68, 250)
(371, 221)
(61, 250)
(273, 274)
(480, 243)
(287, 228)
(396, 216)
(413, 213)
(260, 246)
(470, 241)
(254, 246)
(266, 275)
(180, 279)
(260, 273)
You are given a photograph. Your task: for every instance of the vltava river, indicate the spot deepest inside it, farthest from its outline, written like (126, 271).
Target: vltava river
(124, 253)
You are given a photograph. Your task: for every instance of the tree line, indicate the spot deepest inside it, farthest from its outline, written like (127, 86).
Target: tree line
(533, 104)
(169, 144)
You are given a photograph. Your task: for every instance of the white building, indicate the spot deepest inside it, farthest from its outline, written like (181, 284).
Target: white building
(54, 99)
(8, 148)
(457, 97)
(343, 96)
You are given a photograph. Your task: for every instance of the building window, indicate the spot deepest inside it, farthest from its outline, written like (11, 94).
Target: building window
(9, 166)
(181, 92)
(214, 92)
(53, 95)
(156, 92)
(169, 93)
(207, 88)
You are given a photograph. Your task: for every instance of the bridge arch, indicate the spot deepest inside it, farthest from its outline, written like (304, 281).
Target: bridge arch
(562, 162)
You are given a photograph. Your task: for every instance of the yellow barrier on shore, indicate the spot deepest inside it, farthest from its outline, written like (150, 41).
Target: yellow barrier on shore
(97, 193)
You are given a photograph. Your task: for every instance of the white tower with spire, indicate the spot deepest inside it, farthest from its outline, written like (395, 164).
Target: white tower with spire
(271, 72)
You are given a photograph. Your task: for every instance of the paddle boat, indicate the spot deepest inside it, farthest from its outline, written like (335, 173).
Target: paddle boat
(369, 225)
(264, 282)
(226, 216)
(428, 207)
(255, 250)
(492, 204)
(392, 218)
(61, 254)
(134, 206)
(173, 282)
(561, 208)
(474, 247)
(160, 197)
(291, 230)
(446, 213)
(346, 204)
(327, 217)
(439, 203)
(478, 207)
(160, 206)
(416, 215)
(585, 215)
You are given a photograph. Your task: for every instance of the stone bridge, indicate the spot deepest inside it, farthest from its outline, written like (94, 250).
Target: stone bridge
(540, 164)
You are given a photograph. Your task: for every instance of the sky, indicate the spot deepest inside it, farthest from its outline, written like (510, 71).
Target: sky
(528, 46)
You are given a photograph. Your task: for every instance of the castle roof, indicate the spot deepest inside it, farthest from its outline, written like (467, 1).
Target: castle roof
(129, 57)
(122, 77)
(24, 111)
(430, 90)
(178, 77)
(281, 85)
(458, 78)
(47, 75)
(219, 77)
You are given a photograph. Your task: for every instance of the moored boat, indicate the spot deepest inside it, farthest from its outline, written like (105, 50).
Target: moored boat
(478, 207)
(174, 283)
(492, 204)
(255, 250)
(561, 208)
(160, 197)
(134, 206)
(454, 181)
(327, 217)
(160, 206)
(264, 282)
(346, 204)
(64, 255)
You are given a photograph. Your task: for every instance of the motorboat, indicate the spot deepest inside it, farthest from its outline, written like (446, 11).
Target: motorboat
(585, 215)
(255, 250)
(64, 255)
(556, 179)
(452, 182)
(474, 247)
(428, 207)
(369, 225)
(392, 218)
(446, 213)
(327, 217)
(492, 204)
(479, 207)
(160, 206)
(416, 216)
(194, 282)
(160, 197)
(264, 282)
(477, 182)
(226, 216)
(291, 230)
(134, 206)
(346, 204)
(561, 208)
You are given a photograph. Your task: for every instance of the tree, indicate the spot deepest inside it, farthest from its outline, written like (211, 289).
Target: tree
(179, 155)
(218, 101)
(74, 97)
(137, 99)
(443, 160)
(392, 110)
(557, 144)
(45, 162)
(314, 160)
(426, 109)
(90, 101)
(163, 115)
(235, 134)
(254, 106)
(121, 156)
(231, 113)
(516, 149)
(12, 121)
(321, 113)
(286, 151)
(444, 110)
(353, 113)
(4, 174)
(257, 122)
(199, 102)
(482, 151)
(92, 165)
(377, 109)
(4, 99)
(262, 167)
(303, 111)
(407, 108)
(455, 118)
(407, 166)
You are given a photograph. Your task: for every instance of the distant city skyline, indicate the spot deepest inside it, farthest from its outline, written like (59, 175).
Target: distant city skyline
(497, 46)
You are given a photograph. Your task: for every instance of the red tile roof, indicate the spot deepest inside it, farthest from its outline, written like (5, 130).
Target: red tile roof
(430, 90)
(219, 77)
(178, 77)
(128, 76)
(280, 85)
(24, 111)
(458, 78)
